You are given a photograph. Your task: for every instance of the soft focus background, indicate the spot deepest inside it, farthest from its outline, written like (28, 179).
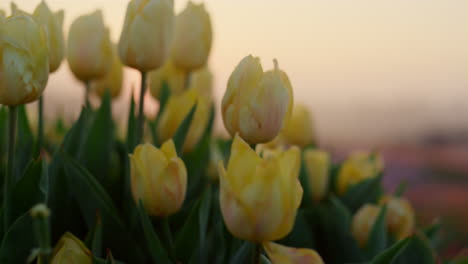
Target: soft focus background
(391, 75)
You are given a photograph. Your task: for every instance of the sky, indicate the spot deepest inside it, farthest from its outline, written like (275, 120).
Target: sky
(370, 71)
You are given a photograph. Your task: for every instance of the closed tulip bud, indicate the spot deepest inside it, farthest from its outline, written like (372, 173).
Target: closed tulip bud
(279, 254)
(24, 67)
(53, 23)
(299, 129)
(70, 250)
(168, 73)
(317, 164)
(177, 108)
(158, 178)
(89, 48)
(362, 223)
(192, 38)
(357, 168)
(256, 103)
(202, 81)
(259, 196)
(400, 216)
(112, 81)
(147, 34)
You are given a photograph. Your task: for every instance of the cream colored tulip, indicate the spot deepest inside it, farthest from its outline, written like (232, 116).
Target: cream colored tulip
(317, 164)
(193, 38)
(112, 81)
(147, 34)
(400, 216)
(159, 178)
(299, 129)
(279, 254)
(168, 73)
(259, 196)
(24, 67)
(89, 48)
(70, 250)
(53, 23)
(362, 223)
(256, 104)
(202, 81)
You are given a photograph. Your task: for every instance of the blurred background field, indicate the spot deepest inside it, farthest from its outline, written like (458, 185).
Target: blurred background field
(385, 75)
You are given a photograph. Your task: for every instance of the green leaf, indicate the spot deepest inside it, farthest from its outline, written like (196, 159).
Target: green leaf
(417, 251)
(367, 191)
(131, 126)
(264, 260)
(27, 192)
(389, 255)
(460, 260)
(182, 131)
(302, 235)
(244, 254)
(304, 179)
(24, 142)
(400, 190)
(377, 241)
(189, 238)
(74, 140)
(18, 242)
(91, 198)
(96, 243)
(334, 221)
(432, 232)
(163, 99)
(158, 254)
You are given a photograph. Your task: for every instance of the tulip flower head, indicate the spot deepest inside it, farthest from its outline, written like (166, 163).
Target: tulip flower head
(400, 216)
(259, 196)
(174, 77)
(112, 81)
(147, 34)
(279, 254)
(53, 22)
(299, 129)
(362, 223)
(158, 178)
(193, 38)
(24, 67)
(89, 48)
(256, 103)
(70, 250)
(317, 164)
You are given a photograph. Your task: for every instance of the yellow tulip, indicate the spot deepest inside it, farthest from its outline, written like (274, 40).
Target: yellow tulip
(400, 216)
(24, 67)
(53, 23)
(202, 81)
(299, 130)
(279, 254)
(89, 47)
(147, 34)
(192, 38)
(259, 196)
(112, 81)
(357, 168)
(256, 103)
(158, 178)
(362, 223)
(70, 250)
(317, 164)
(177, 108)
(174, 77)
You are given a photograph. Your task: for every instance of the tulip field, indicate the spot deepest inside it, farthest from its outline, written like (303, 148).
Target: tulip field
(169, 189)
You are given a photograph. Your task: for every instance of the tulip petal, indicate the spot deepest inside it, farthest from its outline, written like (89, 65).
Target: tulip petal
(242, 163)
(279, 254)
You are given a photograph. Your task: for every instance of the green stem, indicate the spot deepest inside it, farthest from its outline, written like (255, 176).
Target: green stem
(40, 214)
(168, 236)
(257, 253)
(9, 176)
(40, 128)
(86, 99)
(141, 114)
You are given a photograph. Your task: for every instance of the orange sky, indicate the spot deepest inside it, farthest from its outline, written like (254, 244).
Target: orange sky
(369, 70)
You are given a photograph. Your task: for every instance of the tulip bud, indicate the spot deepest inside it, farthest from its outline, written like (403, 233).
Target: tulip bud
(357, 168)
(279, 254)
(299, 130)
(89, 47)
(192, 38)
(147, 34)
(400, 216)
(53, 23)
(70, 250)
(256, 103)
(174, 77)
(24, 67)
(362, 223)
(202, 82)
(112, 81)
(259, 196)
(317, 164)
(159, 178)
(177, 108)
